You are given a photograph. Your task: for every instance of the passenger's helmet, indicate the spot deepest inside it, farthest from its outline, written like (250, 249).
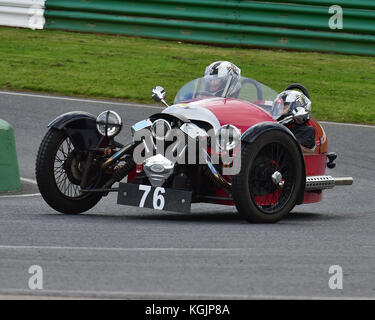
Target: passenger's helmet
(292, 102)
(219, 73)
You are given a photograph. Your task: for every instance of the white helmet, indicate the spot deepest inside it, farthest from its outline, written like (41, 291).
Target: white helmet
(228, 73)
(292, 102)
(222, 69)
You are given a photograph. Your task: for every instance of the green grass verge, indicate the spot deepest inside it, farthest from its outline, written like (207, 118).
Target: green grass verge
(342, 87)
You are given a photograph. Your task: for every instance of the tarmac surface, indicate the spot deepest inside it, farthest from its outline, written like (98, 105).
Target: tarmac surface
(132, 253)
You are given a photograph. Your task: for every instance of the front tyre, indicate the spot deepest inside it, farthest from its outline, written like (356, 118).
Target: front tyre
(267, 186)
(59, 169)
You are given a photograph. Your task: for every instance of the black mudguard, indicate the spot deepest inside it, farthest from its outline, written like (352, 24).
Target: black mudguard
(80, 127)
(251, 134)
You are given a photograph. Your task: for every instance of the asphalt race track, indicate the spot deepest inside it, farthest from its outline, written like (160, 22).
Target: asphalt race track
(124, 252)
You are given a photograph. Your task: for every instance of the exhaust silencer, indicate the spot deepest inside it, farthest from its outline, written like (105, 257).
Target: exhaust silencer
(326, 182)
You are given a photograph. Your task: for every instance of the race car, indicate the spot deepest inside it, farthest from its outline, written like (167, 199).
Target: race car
(219, 142)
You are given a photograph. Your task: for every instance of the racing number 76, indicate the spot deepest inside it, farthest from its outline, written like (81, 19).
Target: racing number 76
(158, 200)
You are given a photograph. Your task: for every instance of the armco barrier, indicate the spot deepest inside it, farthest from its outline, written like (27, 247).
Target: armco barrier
(9, 172)
(289, 24)
(22, 13)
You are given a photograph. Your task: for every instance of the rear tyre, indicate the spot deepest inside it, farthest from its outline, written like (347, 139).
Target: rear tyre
(58, 174)
(271, 175)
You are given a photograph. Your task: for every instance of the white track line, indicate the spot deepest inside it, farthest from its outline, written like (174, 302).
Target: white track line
(348, 124)
(28, 180)
(141, 105)
(166, 295)
(10, 247)
(80, 100)
(23, 195)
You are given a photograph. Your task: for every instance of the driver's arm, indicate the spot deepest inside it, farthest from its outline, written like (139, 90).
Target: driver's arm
(305, 135)
(308, 150)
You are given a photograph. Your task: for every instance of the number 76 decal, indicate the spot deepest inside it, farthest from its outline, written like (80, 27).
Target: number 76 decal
(158, 201)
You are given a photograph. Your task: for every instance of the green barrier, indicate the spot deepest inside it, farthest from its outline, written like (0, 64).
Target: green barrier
(234, 12)
(359, 4)
(9, 171)
(218, 33)
(288, 24)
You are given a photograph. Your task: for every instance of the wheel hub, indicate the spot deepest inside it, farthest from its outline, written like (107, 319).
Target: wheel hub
(73, 169)
(264, 170)
(277, 177)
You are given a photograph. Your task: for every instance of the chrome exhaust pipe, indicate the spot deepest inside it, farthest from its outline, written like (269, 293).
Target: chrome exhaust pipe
(343, 181)
(215, 175)
(326, 182)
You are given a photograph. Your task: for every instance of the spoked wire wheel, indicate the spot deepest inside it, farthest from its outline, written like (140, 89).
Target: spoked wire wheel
(271, 176)
(68, 170)
(58, 173)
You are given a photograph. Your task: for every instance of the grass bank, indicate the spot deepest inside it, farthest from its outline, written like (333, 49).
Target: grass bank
(342, 87)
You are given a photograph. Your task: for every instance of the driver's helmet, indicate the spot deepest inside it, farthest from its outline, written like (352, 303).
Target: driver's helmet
(288, 102)
(218, 74)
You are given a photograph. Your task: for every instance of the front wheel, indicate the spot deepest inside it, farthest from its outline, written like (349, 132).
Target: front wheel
(271, 175)
(59, 169)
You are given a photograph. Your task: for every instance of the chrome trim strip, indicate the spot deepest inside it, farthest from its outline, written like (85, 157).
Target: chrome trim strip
(193, 111)
(193, 131)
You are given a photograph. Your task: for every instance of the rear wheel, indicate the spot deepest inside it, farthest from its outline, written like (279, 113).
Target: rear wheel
(59, 169)
(271, 175)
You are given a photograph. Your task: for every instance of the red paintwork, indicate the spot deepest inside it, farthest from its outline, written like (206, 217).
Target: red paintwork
(268, 199)
(244, 115)
(132, 175)
(316, 163)
(312, 197)
(240, 113)
(315, 166)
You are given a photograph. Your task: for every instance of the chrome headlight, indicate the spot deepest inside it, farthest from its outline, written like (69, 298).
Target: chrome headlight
(228, 137)
(161, 129)
(109, 123)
